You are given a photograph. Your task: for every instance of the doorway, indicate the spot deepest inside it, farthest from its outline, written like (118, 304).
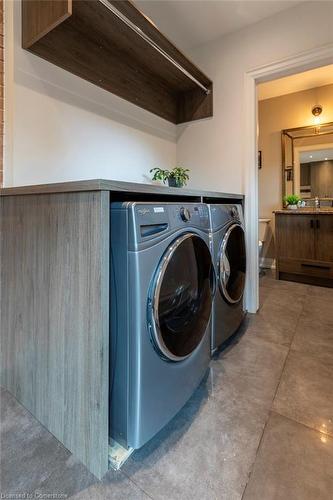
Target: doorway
(290, 66)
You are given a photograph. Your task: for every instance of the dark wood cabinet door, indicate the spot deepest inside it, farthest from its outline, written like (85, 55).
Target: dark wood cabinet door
(295, 236)
(324, 238)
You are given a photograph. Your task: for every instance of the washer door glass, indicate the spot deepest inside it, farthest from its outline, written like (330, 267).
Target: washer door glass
(232, 264)
(181, 297)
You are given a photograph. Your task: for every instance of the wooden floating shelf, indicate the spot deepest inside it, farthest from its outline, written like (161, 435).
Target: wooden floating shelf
(87, 39)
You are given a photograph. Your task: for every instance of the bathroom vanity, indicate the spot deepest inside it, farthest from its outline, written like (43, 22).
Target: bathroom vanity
(304, 245)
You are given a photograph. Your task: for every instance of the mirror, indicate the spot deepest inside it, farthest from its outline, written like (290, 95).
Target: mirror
(307, 163)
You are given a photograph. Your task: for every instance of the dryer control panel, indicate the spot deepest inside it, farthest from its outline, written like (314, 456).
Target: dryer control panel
(221, 215)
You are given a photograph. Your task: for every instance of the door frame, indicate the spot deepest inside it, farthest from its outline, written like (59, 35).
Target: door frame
(304, 61)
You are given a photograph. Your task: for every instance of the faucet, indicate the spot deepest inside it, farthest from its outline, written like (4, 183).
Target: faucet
(317, 202)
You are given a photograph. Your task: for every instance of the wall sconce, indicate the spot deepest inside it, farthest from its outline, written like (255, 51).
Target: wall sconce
(316, 111)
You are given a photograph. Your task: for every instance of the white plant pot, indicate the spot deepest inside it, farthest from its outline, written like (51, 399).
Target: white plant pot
(292, 207)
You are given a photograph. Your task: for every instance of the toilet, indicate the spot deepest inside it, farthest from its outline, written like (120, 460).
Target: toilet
(263, 236)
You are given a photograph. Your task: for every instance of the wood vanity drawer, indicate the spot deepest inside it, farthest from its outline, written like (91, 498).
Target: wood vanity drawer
(306, 267)
(304, 246)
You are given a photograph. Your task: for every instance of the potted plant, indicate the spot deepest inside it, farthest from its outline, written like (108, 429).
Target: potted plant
(292, 201)
(177, 177)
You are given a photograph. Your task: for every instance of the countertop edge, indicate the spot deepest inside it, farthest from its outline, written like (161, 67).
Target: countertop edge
(113, 186)
(305, 211)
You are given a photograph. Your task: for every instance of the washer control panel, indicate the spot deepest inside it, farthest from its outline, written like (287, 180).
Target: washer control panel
(152, 219)
(185, 214)
(234, 213)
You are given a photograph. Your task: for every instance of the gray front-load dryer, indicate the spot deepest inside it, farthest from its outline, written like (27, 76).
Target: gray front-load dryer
(227, 241)
(162, 280)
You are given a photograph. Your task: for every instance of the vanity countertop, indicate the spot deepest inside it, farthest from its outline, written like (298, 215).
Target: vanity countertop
(306, 211)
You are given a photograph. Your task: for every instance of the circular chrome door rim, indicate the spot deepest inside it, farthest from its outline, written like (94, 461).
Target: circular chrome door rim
(224, 266)
(154, 299)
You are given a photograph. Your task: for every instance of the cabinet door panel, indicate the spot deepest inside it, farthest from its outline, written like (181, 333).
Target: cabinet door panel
(324, 238)
(295, 236)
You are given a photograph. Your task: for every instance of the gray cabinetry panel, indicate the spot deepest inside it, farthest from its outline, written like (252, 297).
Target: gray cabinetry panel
(54, 308)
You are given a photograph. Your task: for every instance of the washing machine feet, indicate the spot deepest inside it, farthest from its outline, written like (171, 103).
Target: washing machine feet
(118, 454)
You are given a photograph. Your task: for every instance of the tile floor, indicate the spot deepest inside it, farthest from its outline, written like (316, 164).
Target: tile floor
(259, 427)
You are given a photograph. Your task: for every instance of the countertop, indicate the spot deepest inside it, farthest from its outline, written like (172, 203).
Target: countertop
(306, 211)
(114, 186)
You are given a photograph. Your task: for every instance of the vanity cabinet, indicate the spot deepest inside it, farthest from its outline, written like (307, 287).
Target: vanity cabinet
(304, 247)
(324, 238)
(296, 236)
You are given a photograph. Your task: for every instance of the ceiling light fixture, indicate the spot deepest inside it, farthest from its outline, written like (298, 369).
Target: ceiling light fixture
(326, 159)
(316, 111)
(310, 156)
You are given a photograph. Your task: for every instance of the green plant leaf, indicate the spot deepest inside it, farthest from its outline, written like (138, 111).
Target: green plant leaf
(178, 173)
(159, 174)
(292, 199)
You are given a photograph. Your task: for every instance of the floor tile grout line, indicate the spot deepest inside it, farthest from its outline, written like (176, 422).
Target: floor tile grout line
(270, 410)
(256, 454)
(137, 485)
(269, 341)
(264, 428)
(302, 424)
(288, 353)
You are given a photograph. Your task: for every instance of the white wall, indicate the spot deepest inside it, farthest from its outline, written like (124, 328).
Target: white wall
(213, 148)
(64, 128)
(61, 128)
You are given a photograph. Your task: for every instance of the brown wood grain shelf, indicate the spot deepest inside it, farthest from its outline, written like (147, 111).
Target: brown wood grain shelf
(88, 40)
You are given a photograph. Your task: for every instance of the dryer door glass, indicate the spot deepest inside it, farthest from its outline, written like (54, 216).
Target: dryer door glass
(182, 297)
(232, 264)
